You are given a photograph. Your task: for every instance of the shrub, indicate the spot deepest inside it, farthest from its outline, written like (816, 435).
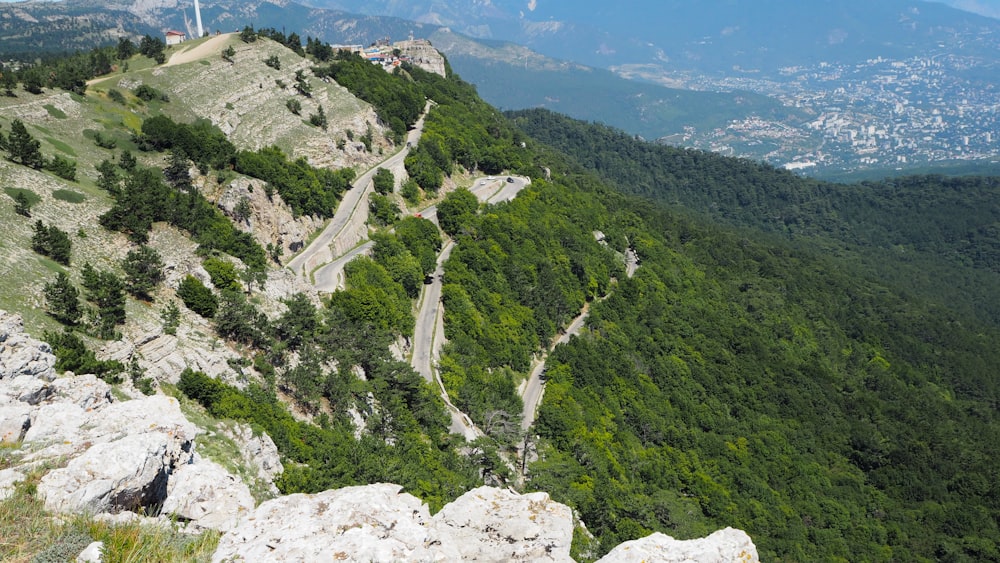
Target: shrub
(197, 297)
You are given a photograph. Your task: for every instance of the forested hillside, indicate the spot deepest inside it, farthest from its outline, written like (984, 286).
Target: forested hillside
(757, 370)
(936, 236)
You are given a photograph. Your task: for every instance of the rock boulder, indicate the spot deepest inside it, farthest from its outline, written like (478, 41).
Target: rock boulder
(728, 545)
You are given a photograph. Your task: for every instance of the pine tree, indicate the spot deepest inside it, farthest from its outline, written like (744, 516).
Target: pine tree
(22, 206)
(143, 271)
(23, 148)
(63, 300)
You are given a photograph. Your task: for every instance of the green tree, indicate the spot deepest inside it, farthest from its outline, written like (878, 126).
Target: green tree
(126, 48)
(143, 271)
(73, 355)
(107, 291)
(223, 273)
(422, 238)
(153, 48)
(384, 181)
(299, 322)
(294, 106)
(319, 118)
(248, 35)
(22, 147)
(50, 241)
(410, 191)
(171, 317)
(108, 178)
(62, 167)
(457, 211)
(197, 297)
(382, 209)
(22, 205)
(63, 300)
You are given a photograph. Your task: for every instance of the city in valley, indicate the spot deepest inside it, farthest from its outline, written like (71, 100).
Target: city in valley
(879, 114)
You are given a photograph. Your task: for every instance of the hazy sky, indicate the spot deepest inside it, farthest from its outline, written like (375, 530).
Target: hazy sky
(985, 7)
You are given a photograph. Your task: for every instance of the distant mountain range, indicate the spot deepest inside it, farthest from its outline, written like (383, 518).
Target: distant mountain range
(829, 85)
(706, 35)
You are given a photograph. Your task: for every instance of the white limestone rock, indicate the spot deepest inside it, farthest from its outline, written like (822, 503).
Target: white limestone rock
(14, 422)
(258, 451)
(126, 474)
(85, 391)
(723, 546)
(8, 479)
(26, 389)
(208, 496)
(93, 553)
(491, 524)
(366, 523)
(20, 354)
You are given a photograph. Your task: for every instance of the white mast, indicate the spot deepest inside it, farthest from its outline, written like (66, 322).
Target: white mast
(197, 18)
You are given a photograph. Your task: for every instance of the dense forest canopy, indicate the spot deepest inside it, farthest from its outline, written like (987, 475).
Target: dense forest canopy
(934, 235)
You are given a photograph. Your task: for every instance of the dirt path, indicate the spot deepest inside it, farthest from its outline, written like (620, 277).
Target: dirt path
(211, 47)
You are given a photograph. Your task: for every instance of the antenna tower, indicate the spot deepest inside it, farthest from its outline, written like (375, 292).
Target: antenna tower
(197, 18)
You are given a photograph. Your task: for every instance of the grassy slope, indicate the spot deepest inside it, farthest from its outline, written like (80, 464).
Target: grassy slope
(65, 124)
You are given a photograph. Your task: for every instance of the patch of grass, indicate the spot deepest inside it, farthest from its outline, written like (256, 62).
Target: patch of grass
(29, 533)
(31, 196)
(61, 146)
(54, 111)
(205, 62)
(69, 196)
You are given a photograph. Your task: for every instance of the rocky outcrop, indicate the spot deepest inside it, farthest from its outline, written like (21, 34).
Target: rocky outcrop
(207, 495)
(498, 524)
(258, 451)
(727, 545)
(380, 523)
(367, 523)
(128, 457)
(126, 474)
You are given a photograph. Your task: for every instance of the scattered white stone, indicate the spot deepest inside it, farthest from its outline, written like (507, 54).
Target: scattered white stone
(724, 546)
(93, 553)
(8, 479)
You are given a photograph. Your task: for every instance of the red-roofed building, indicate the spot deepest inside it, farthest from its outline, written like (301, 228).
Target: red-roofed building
(175, 37)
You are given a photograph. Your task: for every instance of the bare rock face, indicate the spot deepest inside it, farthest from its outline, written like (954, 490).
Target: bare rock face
(728, 545)
(21, 354)
(118, 456)
(368, 523)
(379, 523)
(208, 496)
(491, 524)
(269, 220)
(259, 451)
(126, 474)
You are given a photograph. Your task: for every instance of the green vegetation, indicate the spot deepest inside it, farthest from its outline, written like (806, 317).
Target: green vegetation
(69, 196)
(932, 235)
(197, 297)
(51, 241)
(757, 371)
(30, 533)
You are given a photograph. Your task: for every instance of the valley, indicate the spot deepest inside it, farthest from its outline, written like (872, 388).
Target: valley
(360, 306)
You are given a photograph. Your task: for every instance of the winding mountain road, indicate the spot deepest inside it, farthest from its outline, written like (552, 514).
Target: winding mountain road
(320, 251)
